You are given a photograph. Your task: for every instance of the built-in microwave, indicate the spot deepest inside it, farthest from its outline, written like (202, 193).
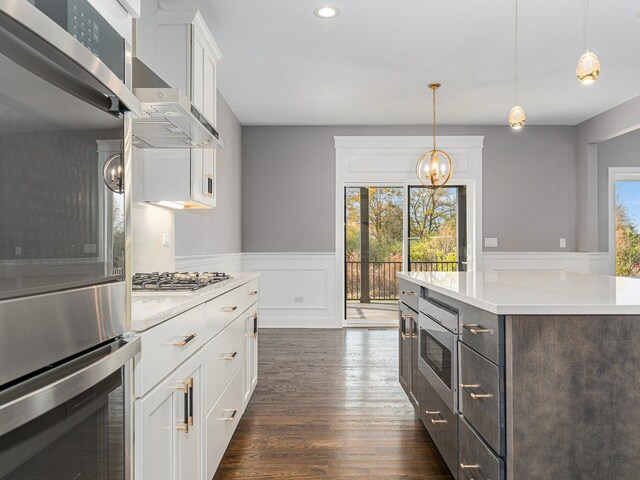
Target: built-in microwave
(438, 360)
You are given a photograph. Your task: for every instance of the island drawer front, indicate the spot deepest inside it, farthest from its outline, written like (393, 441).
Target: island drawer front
(168, 345)
(409, 294)
(225, 355)
(440, 422)
(484, 332)
(476, 460)
(223, 310)
(481, 398)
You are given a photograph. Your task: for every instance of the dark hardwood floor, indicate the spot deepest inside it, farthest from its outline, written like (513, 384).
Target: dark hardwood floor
(328, 405)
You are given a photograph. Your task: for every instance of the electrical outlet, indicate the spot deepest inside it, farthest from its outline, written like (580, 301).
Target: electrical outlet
(90, 248)
(563, 243)
(165, 240)
(18, 251)
(490, 242)
(298, 299)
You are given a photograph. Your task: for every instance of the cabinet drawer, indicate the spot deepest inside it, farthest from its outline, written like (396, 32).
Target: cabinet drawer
(222, 421)
(223, 310)
(441, 423)
(484, 332)
(409, 293)
(225, 355)
(476, 460)
(482, 396)
(166, 346)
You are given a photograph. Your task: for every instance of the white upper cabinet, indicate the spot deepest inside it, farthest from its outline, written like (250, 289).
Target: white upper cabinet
(188, 59)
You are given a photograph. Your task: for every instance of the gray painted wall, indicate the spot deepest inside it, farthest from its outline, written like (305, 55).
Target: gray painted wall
(219, 230)
(288, 184)
(623, 151)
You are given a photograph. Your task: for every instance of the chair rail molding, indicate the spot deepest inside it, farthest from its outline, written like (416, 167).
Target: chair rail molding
(390, 161)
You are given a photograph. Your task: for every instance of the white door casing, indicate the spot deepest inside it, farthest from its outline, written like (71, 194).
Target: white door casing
(391, 161)
(616, 174)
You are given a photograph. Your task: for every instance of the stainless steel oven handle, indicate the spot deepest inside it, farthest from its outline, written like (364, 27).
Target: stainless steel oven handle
(24, 409)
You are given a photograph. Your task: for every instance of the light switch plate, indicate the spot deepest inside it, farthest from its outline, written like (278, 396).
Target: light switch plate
(490, 242)
(563, 243)
(166, 240)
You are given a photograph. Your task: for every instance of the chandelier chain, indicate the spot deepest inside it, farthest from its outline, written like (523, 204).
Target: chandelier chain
(515, 53)
(434, 118)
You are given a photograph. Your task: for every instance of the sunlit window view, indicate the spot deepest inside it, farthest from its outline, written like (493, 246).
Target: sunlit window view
(627, 228)
(374, 243)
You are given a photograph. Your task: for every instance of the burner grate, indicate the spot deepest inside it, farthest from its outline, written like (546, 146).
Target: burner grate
(176, 281)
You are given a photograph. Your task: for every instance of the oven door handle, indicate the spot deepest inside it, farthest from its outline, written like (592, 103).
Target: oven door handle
(17, 412)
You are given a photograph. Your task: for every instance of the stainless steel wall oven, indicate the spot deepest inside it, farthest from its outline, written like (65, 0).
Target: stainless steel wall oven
(65, 148)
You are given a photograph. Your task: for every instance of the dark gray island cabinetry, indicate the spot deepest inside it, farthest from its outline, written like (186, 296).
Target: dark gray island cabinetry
(530, 375)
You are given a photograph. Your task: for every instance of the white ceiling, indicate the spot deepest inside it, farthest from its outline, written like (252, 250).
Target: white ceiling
(284, 66)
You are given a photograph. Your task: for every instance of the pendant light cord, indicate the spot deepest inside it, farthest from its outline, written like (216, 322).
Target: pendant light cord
(434, 118)
(515, 54)
(586, 22)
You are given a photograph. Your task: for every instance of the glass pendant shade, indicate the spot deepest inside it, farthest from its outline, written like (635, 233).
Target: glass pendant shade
(588, 69)
(434, 168)
(517, 117)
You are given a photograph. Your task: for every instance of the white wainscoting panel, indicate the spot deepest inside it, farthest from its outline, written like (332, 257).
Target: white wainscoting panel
(297, 290)
(581, 262)
(222, 262)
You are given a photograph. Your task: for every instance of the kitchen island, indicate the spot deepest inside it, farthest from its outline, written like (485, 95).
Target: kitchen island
(525, 374)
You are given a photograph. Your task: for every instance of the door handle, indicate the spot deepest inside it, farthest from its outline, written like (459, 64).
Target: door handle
(184, 424)
(190, 390)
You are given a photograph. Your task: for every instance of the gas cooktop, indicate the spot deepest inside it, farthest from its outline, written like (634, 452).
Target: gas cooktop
(176, 282)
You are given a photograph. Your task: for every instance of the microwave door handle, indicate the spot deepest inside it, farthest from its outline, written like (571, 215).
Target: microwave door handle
(28, 407)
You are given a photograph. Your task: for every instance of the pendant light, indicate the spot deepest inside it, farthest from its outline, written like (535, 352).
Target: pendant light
(434, 168)
(588, 69)
(516, 115)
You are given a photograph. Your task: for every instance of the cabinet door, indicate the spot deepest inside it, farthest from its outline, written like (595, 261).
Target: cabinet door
(158, 416)
(203, 176)
(191, 442)
(404, 358)
(209, 91)
(197, 70)
(250, 368)
(415, 372)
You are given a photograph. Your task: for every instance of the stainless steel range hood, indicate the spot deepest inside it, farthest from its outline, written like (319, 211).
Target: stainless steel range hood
(168, 120)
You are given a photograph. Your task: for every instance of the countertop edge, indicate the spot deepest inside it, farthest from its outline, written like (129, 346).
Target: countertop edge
(200, 297)
(519, 309)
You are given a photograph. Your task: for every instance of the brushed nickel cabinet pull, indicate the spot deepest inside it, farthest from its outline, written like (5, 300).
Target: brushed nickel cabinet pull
(475, 396)
(230, 309)
(408, 315)
(255, 292)
(434, 421)
(229, 356)
(187, 339)
(407, 293)
(476, 329)
(465, 466)
(230, 417)
(432, 412)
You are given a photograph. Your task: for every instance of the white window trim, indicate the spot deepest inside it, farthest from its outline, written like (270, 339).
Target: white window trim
(469, 148)
(617, 174)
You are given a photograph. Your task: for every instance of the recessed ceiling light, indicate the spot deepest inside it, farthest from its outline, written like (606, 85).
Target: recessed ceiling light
(326, 12)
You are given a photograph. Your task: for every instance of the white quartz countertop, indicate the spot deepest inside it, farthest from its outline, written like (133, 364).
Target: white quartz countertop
(536, 292)
(151, 308)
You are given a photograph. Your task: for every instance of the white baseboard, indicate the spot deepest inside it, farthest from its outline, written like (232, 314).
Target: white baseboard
(297, 290)
(221, 262)
(581, 262)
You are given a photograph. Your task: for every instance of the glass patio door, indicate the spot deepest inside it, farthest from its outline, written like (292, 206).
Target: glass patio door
(373, 252)
(437, 228)
(627, 227)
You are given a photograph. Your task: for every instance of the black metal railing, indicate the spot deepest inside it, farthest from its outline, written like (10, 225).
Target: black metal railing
(383, 281)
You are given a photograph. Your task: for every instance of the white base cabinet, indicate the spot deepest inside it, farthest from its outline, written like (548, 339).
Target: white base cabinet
(169, 426)
(184, 422)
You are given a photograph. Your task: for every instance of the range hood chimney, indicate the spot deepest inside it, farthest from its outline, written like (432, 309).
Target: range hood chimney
(168, 119)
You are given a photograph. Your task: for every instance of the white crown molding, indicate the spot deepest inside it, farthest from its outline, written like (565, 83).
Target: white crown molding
(420, 142)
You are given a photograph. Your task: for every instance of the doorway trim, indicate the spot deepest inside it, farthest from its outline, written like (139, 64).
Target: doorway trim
(390, 161)
(616, 174)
